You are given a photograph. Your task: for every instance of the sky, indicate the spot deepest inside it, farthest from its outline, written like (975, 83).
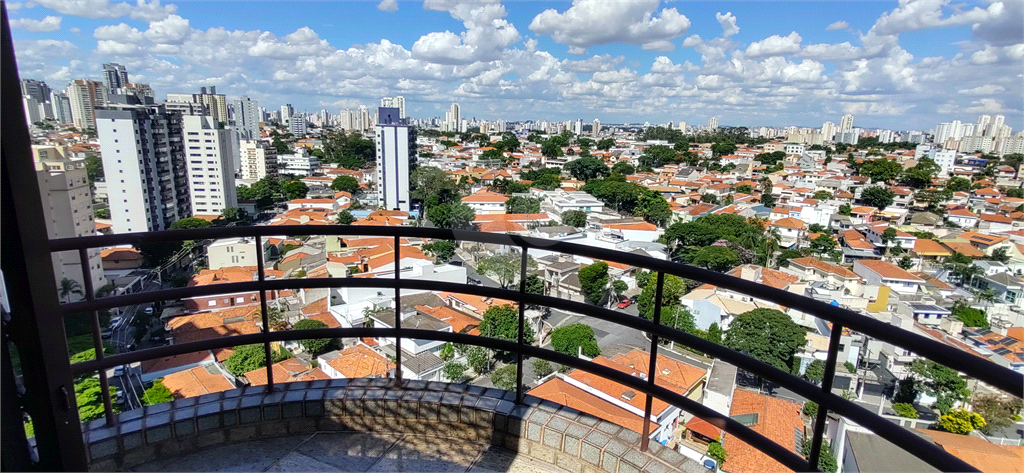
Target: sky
(900, 65)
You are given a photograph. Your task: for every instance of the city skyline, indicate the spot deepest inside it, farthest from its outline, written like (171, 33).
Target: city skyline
(889, 64)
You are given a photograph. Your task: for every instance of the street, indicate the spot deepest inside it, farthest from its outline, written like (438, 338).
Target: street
(122, 336)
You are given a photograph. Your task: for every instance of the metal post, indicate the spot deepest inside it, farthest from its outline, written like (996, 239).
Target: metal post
(108, 408)
(522, 325)
(265, 314)
(826, 386)
(645, 441)
(35, 325)
(398, 309)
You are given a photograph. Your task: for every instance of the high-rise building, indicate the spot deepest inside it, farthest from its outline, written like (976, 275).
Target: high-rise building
(216, 104)
(453, 118)
(982, 126)
(115, 76)
(286, 113)
(259, 159)
(297, 125)
(35, 89)
(393, 160)
(145, 166)
(713, 123)
(828, 131)
(210, 153)
(682, 126)
(144, 92)
(85, 96)
(247, 118)
(846, 124)
(363, 121)
(67, 211)
(394, 102)
(595, 128)
(61, 107)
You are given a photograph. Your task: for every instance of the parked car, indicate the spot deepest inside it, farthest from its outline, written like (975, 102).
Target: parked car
(118, 371)
(625, 303)
(149, 310)
(115, 322)
(120, 396)
(105, 334)
(633, 299)
(475, 281)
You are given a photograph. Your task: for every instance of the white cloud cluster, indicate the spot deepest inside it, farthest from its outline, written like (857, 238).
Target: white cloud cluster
(492, 69)
(50, 23)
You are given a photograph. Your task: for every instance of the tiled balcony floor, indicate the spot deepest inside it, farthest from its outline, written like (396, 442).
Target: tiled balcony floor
(354, 451)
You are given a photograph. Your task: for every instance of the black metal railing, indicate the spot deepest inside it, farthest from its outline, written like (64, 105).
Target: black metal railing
(828, 402)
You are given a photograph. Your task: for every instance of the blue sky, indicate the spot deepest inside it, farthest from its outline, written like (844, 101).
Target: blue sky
(902, 65)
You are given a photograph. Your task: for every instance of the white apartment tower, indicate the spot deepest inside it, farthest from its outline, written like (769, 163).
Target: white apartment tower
(828, 131)
(713, 123)
(85, 96)
(595, 128)
(393, 161)
(145, 167)
(453, 118)
(846, 124)
(247, 118)
(297, 126)
(397, 101)
(682, 126)
(210, 153)
(216, 104)
(286, 113)
(259, 159)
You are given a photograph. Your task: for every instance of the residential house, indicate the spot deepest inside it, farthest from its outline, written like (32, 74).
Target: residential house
(486, 202)
(813, 269)
(791, 231)
(962, 217)
(884, 273)
(995, 223)
(777, 419)
(712, 304)
(356, 361)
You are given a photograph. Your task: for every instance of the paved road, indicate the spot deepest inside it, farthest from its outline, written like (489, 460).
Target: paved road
(471, 273)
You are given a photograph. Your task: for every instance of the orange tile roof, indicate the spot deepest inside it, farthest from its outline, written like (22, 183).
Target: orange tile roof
(888, 270)
(500, 227)
(981, 238)
(980, 453)
(485, 196)
(768, 277)
(360, 361)
(389, 257)
(295, 256)
(196, 382)
(641, 226)
(931, 279)
(704, 428)
(778, 420)
(996, 218)
(460, 322)
(228, 274)
(561, 392)
(511, 217)
(924, 246)
(480, 304)
(318, 311)
(789, 223)
(964, 248)
(287, 371)
(120, 254)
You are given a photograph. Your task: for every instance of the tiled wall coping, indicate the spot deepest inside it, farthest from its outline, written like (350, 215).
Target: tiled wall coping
(539, 429)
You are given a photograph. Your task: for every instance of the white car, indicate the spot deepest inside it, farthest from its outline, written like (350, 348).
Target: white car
(115, 322)
(120, 396)
(119, 371)
(149, 310)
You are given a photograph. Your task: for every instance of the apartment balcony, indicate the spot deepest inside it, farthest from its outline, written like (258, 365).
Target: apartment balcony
(389, 424)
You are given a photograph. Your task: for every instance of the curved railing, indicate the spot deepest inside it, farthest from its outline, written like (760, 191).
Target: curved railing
(985, 371)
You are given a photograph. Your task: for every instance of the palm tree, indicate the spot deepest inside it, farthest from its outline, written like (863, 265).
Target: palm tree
(772, 238)
(985, 296)
(69, 287)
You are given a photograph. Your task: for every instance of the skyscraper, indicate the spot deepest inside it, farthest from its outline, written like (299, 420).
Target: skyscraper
(393, 160)
(846, 124)
(828, 131)
(145, 166)
(115, 76)
(247, 118)
(211, 171)
(85, 96)
(452, 119)
(259, 159)
(297, 125)
(286, 113)
(682, 126)
(215, 104)
(595, 128)
(61, 107)
(394, 102)
(713, 123)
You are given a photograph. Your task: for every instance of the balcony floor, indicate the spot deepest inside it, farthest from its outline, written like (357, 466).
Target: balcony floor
(353, 451)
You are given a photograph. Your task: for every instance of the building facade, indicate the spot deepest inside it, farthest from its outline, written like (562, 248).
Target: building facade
(84, 97)
(393, 160)
(247, 118)
(211, 173)
(67, 210)
(259, 159)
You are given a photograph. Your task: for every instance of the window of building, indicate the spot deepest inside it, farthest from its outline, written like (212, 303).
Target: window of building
(211, 303)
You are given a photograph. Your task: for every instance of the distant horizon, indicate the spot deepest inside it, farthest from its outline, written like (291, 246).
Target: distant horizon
(893, 66)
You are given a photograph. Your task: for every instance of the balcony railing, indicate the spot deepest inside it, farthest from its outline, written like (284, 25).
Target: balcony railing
(36, 321)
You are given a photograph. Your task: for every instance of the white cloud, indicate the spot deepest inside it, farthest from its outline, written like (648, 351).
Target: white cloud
(1015, 52)
(172, 30)
(839, 25)
(15, 6)
(663, 65)
(592, 22)
(924, 14)
(986, 106)
(388, 5)
(985, 56)
(50, 23)
(487, 34)
(1004, 28)
(987, 89)
(875, 108)
(151, 11)
(728, 22)
(775, 45)
(593, 64)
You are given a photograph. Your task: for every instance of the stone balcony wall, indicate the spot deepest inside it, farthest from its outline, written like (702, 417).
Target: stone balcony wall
(539, 429)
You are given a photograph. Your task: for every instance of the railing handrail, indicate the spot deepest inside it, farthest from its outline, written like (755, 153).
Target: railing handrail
(988, 372)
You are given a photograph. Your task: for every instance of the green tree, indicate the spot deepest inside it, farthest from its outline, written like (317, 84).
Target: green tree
(429, 182)
(905, 263)
(443, 250)
(574, 218)
(716, 451)
(657, 156)
(542, 367)
(189, 223)
(767, 335)
(619, 287)
(823, 243)
(745, 189)
(714, 333)
(1001, 255)
(822, 195)
(245, 358)
(345, 218)
(593, 281)
(503, 322)
(522, 205)
(905, 409)
(623, 168)
(504, 267)
(810, 409)
(479, 359)
(716, 258)
(605, 144)
(815, 371)
(456, 216)
(89, 397)
(570, 339)
(943, 383)
(673, 290)
(101, 213)
(504, 377)
(454, 371)
(878, 197)
(920, 175)
(845, 209)
(722, 149)
(93, 168)
(345, 184)
(653, 208)
(586, 169)
(958, 184)
(826, 459)
(295, 190)
(961, 421)
(767, 199)
(551, 148)
(314, 346)
(68, 288)
(234, 214)
(881, 169)
(998, 411)
(971, 317)
(709, 198)
(157, 394)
